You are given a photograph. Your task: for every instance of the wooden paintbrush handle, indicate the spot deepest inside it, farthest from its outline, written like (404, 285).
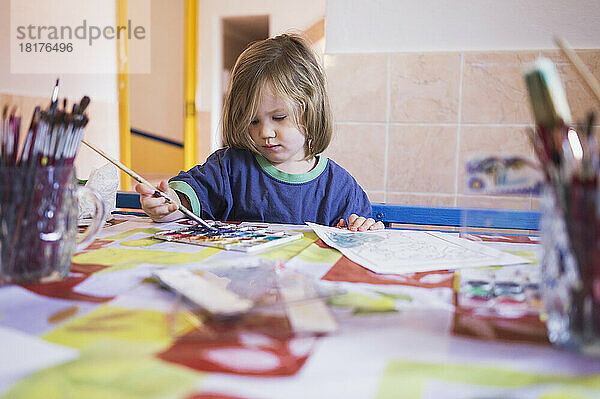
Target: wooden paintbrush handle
(140, 179)
(580, 67)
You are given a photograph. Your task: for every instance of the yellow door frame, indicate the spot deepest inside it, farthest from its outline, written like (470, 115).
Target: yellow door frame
(123, 89)
(190, 132)
(190, 144)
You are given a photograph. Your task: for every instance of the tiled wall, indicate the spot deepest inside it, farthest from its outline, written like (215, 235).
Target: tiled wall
(406, 122)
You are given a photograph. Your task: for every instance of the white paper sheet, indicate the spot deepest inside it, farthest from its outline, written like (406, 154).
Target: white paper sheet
(24, 354)
(16, 304)
(108, 283)
(408, 251)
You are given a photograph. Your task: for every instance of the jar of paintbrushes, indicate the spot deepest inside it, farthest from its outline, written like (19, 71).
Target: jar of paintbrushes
(570, 214)
(39, 194)
(570, 282)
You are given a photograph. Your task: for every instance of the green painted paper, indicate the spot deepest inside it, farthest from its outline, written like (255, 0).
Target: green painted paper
(530, 255)
(125, 258)
(129, 233)
(316, 254)
(364, 304)
(407, 379)
(110, 369)
(108, 322)
(290, 250)
(143, 242)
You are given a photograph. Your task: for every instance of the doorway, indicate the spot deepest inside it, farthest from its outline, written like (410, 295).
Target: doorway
(236, 34)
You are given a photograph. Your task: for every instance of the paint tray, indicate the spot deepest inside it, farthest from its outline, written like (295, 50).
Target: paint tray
(231, 237)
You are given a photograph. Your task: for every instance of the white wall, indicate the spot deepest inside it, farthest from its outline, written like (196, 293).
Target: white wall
(284, 15)
(446, 25)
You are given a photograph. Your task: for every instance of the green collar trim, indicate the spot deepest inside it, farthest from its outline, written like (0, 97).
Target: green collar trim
(189, 192)
(291, 177)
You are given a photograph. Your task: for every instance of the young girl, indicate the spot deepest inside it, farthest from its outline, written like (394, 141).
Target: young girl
(276, 120)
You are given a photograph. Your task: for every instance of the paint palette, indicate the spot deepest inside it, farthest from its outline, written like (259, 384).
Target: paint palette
(230, 237)
(510, 291)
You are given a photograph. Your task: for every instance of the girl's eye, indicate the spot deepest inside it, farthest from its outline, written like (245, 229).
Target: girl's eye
(279, 118)
(254, 122)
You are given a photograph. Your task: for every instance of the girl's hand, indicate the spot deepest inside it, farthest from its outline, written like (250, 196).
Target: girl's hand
(359, 223)
(157, 207)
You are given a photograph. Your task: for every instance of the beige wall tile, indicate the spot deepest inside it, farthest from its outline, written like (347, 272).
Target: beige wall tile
(494, 202)
(357, 86)
(422, 159)
(360, 149)
(375, 196)
(578, 94)
(493, 87)
(5, 99)
(421, 199)
(483, 141)
(424, 87)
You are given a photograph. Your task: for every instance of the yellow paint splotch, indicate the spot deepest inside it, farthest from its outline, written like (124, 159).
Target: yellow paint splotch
(108, 322)
(124, 258)
(129, 233)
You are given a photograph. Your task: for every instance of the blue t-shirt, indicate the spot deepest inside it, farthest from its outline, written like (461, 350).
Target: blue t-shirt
(240, 185)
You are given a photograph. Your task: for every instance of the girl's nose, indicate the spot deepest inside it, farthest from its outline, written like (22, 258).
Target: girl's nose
(267, 131)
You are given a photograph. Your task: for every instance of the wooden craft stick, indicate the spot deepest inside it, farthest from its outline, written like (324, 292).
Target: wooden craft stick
(306, 316)
(140, 179)
(580, 67)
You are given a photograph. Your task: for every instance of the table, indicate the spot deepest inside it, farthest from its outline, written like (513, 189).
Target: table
(107, 332)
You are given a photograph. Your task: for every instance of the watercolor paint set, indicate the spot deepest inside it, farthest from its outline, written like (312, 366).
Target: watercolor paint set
(230, 236)
(503, 291)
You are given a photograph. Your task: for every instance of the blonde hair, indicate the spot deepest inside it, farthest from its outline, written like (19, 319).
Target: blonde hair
(288, 65)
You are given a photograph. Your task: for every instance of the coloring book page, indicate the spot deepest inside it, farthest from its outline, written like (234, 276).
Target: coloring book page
(406, 251)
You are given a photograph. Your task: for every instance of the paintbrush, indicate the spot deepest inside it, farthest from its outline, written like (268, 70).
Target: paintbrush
(580, 67)
(4, 134)
(157, 192)
(550, 109)
(54, 98)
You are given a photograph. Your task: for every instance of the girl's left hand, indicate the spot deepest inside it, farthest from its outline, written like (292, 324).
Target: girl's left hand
(359, 223)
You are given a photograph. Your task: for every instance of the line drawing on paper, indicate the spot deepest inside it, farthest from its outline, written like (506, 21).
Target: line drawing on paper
(403, 251)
